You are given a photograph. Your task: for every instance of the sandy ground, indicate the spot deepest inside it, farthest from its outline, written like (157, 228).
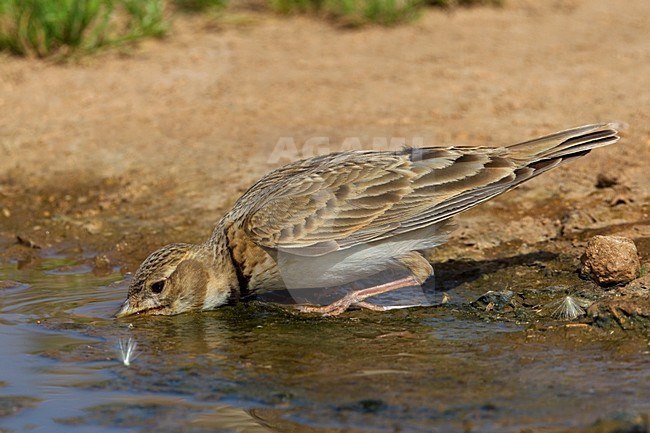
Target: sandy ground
(127, 150)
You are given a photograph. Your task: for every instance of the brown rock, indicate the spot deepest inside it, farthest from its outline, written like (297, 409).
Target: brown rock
(610, 260)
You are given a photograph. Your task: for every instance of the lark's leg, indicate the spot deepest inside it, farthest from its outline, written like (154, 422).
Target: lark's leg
(357, 297)
(370, 306)
(374, 307)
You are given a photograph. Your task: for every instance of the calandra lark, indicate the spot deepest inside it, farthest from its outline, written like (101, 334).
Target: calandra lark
(337, 219)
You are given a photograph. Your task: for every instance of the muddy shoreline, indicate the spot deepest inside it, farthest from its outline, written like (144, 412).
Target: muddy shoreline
(110, 220)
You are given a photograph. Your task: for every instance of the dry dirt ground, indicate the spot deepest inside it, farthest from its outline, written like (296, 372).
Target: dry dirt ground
(121, 152)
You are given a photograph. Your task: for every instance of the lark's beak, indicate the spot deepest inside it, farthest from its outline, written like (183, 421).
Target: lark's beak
(125, 310)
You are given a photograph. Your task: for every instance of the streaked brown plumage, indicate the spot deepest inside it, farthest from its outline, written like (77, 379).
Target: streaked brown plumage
(339, 218)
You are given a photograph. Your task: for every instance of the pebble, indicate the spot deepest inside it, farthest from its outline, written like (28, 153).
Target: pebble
(607, 180)
(494, 300)
(93, 227)
(610, 260)
(8, 284)
(576, 221)
(102, 265)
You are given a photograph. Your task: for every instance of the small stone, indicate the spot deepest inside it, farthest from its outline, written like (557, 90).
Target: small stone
(610, 260)
(622, 195)
(102, 265)
(27, 242)
(606, 180)
(576, 221)
(639, 286)
(494, 300)
(93, 227)
(8, 284)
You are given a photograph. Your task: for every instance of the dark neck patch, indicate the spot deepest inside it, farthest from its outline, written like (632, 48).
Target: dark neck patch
(242, 280)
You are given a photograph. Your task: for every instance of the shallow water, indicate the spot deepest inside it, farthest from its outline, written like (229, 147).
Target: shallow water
(258, 368)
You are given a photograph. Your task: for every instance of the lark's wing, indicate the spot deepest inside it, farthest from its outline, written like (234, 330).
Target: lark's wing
(337, 201)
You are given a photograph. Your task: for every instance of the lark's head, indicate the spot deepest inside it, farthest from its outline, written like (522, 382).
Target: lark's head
(176, 279)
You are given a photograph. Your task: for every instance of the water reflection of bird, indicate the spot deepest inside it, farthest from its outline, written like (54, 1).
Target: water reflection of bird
(334, 219)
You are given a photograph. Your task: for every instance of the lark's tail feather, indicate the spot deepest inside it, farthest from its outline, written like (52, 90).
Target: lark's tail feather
(572, 142)
(529, 159)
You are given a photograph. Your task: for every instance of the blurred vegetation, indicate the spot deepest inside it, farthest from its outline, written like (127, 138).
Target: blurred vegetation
(454, 3)
(353, 12)
(199, 5)
(46, 27)
(359, 12)
(50, 27)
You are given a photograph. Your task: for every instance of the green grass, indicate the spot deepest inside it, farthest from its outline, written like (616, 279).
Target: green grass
(60, 27)
(200, 5)
(453, 3)
(389, 12)
(301, 6)
(359, 12)
(353, 12)
(46, 27)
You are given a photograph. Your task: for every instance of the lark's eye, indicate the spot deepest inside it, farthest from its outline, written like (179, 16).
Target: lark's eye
(158, 286)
